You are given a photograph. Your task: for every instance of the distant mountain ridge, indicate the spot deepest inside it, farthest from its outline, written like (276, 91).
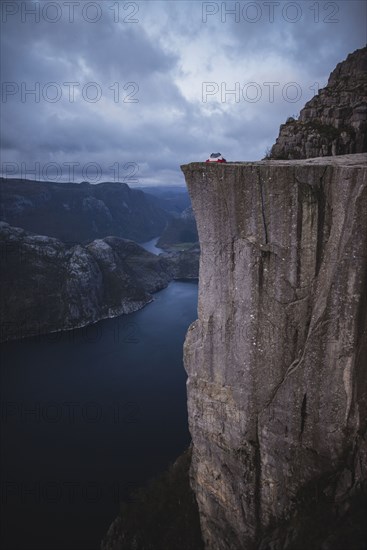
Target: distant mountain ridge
(180, 230)
(334, 122)
(80, 213)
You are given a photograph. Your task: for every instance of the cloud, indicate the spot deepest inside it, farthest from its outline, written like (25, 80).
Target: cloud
(138, 86)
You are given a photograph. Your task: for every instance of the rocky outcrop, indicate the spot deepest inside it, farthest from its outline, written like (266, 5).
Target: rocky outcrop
(79, 213)
(48, 286)
(276, 362)
(334, 122)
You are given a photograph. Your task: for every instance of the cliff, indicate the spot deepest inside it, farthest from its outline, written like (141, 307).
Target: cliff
(48, 286)
(334, 122)
(276, 361)
(79, 213)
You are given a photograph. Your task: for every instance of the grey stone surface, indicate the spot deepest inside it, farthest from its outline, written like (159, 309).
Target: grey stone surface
(276, 362)
(334, 122)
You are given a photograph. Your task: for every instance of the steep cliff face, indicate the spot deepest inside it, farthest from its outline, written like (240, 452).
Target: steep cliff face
(334, 122)
(277, 360)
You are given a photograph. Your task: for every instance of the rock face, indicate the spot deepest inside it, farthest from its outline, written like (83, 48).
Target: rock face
(277, 360)
(334, 122)
(79, 213)
(48, 286)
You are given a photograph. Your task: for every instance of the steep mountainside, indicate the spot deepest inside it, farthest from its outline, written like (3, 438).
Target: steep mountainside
(180, 230)
(48, 286)
(183, 264)
(173, 199)
(276, 362)
(79, 213)
(334, 122)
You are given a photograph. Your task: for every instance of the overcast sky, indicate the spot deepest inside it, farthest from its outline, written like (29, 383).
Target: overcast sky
(128, 91)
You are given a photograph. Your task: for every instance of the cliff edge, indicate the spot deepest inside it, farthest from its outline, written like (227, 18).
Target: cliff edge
(276, 362)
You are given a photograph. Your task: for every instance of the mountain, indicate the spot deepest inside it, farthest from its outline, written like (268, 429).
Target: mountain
(334, 122)
(49, 286)
(172, 198)
(276, 362)
(180, 231)
(79, 213)
(183, 264)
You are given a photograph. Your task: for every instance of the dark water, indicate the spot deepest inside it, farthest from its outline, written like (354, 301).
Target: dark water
(87, 416)
(150, 246)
